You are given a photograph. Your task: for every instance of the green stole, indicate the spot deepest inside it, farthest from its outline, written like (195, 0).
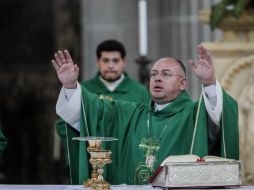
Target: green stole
(229, 129)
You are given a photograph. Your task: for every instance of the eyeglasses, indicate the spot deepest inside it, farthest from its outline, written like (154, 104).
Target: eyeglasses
(107, 60)
(164, 74)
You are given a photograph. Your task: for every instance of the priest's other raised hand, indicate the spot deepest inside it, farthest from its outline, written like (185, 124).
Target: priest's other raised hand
(204, 68)
(66, 70)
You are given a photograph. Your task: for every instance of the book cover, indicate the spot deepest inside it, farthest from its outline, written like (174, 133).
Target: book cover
(193, 171)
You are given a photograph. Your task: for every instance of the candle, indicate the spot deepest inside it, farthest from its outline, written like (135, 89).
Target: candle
(142, 7)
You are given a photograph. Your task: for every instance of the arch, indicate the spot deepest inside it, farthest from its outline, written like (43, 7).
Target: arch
(236, 74)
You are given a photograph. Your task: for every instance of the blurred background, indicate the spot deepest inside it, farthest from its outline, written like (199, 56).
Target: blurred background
(30, 33)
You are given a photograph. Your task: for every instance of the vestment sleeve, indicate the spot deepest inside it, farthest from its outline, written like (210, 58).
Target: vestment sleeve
(68, 106)
(213, 102)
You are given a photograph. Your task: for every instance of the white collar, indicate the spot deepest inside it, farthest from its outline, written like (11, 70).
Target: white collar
(111, 86)
(159, 107)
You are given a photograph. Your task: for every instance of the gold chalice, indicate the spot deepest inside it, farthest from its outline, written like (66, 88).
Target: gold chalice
(99, 158)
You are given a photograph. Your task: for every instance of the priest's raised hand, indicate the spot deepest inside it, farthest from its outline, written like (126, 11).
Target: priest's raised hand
(203, 68)
(66, 70)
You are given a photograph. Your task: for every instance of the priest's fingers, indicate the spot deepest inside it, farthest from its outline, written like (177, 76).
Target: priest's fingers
(62, 57)
(76, 69)
(68, 56)
(57, 59)
(192, 64)
(62, 69)
(206, 60)
(55, 65)
(209, 58)
(202, 52)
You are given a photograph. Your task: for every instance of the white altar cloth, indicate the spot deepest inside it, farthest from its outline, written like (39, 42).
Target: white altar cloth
(72, 187)
(80, 187)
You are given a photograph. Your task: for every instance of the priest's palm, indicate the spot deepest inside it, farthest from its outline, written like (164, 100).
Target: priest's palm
(204, 68)
(67, 71)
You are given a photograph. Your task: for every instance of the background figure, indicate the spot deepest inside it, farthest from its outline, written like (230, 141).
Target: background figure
(172, 124)
(110, 82)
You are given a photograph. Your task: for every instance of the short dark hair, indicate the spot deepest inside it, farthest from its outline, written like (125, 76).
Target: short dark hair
(110, 45)
(181, 65)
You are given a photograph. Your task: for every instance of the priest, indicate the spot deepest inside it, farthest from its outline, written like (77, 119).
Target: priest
(172, 124)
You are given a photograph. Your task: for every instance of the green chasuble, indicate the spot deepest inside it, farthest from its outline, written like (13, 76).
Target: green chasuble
(146, 137)
(3, 141)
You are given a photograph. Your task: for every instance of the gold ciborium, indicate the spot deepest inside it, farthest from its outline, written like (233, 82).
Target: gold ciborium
(98, 159)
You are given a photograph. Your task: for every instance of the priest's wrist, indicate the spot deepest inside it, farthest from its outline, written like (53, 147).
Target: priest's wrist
(70, 85)
(209, 82)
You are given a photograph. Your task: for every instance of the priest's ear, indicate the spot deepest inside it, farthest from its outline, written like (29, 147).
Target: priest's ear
(183, 84)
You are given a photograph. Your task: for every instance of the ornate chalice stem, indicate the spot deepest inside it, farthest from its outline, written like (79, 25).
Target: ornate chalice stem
(94, 175)
(100, 170)
(101, 161)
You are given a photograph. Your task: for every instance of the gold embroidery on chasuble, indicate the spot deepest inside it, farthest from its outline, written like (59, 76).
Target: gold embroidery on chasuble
(150, 146)
(145, 168)
(102, 96)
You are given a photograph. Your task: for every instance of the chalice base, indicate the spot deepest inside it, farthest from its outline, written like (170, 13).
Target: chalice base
(90, 182)
(100, 185)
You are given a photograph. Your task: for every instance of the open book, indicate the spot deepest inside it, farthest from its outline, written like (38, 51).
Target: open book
(208, 168)
(193, 158)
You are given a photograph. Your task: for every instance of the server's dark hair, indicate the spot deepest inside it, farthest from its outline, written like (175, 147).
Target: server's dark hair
(110, 45)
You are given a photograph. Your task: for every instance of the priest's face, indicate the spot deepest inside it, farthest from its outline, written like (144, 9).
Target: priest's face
(167, 80)
(111, 65)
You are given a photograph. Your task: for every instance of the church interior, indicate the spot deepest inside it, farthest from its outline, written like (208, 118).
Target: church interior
(31, 31)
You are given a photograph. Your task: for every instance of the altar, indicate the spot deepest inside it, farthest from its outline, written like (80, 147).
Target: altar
(71, 187)
(80, 187)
